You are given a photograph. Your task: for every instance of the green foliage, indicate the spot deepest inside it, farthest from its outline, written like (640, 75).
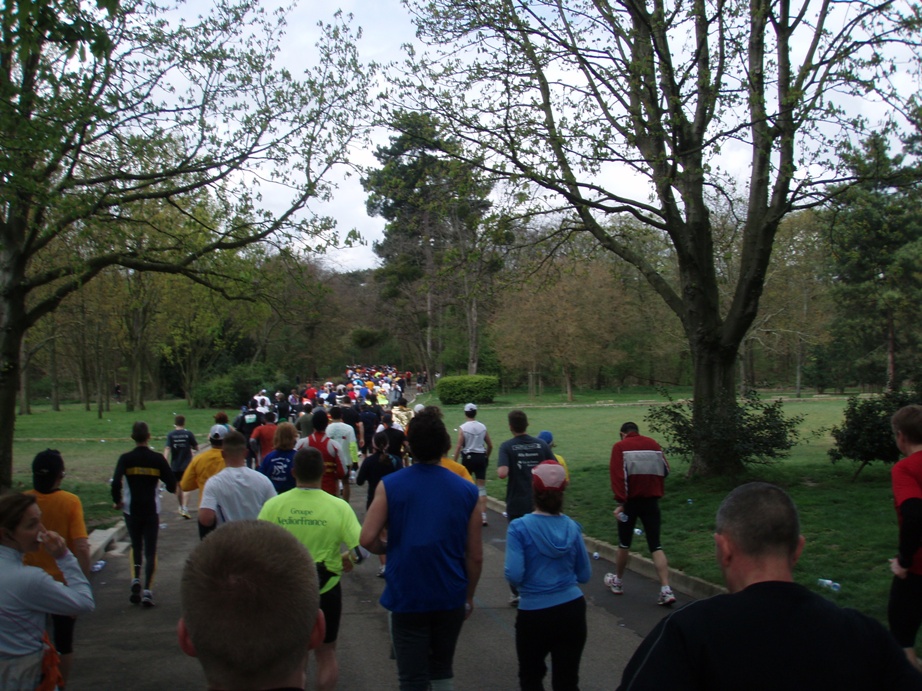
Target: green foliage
(753, 432)
(233, 388)
(475, 388)
(865, 434)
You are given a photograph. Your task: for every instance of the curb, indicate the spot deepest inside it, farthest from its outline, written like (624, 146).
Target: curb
(101, 540)
(679, 580)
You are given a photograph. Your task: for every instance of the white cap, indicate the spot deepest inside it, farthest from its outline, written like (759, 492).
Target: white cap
(217, 432)
(470, 408)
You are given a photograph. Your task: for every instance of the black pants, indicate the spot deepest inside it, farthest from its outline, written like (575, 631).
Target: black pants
(559, 631)
(143, 531)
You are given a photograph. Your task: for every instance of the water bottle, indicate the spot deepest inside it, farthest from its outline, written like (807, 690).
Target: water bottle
(98, 566)
(831, 585)
(623, 517)
(638, 531)
(595, 555)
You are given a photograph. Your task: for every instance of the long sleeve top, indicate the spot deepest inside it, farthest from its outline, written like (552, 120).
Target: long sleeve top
(27, 594)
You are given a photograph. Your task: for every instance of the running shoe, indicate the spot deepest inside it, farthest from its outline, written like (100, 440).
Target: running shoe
(666, 597)
(614, 584)
(147, 600)
(135, 596)
(483, 516)
(381, 572)
(184, 512)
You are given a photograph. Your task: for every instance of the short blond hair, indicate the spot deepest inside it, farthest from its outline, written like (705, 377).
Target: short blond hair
(249, 601)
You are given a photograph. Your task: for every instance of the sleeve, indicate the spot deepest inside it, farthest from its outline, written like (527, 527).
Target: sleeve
(117, 481)
(193, 443)
(76, 526)
(662, 661)
(583, 567)
(56, 598)
(910, 531)
(189, 480)
(209, 500)
(502, 459)
(616, 473)
(360, 478)
(514, 569)
(268, 489)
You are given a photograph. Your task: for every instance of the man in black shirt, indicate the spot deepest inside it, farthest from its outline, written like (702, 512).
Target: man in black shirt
(769, 632)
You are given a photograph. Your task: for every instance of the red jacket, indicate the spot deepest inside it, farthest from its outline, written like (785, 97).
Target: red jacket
(637, 468)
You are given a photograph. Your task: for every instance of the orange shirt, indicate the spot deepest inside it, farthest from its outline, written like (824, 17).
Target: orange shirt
(62, 512)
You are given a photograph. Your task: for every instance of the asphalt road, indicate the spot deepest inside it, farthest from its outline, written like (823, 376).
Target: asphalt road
(126, 647)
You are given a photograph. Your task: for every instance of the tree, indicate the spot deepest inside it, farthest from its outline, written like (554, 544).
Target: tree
(434, 206)
(619, 109)
(110, 109)
(875, 238)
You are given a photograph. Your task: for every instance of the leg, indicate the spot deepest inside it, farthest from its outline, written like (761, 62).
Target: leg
(662, 567)
(445, 627)
(904, 613)
(331, 603)
(151, 531)
(531, 633)
(136, 537)
(410, 636)
(621, 559)
(64, 642)
(569, 626)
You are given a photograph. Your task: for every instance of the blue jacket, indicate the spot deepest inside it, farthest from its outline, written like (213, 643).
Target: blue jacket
(545, 559)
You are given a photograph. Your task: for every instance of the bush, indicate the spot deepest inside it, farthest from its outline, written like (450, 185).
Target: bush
(756, 432)
(865, 435)
(233, 388)
(471, 388)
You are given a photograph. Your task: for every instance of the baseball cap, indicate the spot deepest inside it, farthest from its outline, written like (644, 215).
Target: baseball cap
(46, 466)
(549, 476)
(418, 408)
(546, 437)
(470, 407)
(217, 432)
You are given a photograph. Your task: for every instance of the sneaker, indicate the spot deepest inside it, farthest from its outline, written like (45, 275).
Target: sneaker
(381, 572)
(614, 584)
(184, 512)
(514, 601)
(666, 597)
(147, 600)
(135, 596)
(483, 517)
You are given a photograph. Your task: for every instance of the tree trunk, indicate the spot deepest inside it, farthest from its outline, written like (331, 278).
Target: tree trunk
(12, 332)
(473, 345)
(53, 366)
(568, 381)
(24, 358)
(714, 410)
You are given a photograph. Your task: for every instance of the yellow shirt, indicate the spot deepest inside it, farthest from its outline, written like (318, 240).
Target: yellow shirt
(202, 467)
(62, 512)
(457, 469)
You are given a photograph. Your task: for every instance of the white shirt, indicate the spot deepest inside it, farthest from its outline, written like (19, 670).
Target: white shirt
(236, 494)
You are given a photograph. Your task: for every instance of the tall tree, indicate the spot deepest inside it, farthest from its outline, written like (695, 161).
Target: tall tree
(875, 234)
(620, 108)
(107, 107)
(434, 206)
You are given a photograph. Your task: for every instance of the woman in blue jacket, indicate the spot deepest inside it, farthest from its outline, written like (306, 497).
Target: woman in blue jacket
(545, 560)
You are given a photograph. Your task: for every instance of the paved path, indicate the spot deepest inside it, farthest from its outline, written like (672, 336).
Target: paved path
(124, 646)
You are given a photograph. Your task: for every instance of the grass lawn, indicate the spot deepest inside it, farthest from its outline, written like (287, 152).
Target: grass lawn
(850, 527)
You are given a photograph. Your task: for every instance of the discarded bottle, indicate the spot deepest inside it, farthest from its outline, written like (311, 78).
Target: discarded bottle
(689, 501)
(638, 531)
(826, 583)
(595, 555)
(98, 565)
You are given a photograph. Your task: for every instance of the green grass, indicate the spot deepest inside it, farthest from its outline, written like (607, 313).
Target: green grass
(850, 527)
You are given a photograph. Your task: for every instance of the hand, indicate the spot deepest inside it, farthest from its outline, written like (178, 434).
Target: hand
(898, 570)
(347, 562)
(54, 544)
(119, 506)
(468, 608)
(618, 511)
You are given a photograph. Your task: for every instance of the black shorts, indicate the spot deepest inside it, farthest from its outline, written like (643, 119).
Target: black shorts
(178, 473)
(331, 604)
(476, 464)
(63, 633)
(647, 510)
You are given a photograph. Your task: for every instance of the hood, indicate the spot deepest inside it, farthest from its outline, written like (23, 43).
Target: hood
(552, 535)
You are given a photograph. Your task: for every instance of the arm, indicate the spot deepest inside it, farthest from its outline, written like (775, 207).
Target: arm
(459, 445)
(616, 474)
(489, 444)
(664, 660)
(189, 480)
(473, 558)
(82, 553)
(166, 474)
(910, 531)
(117, 484)
(514, 568)
(166, 453)
(502, 464)
(583, 567)
(343, 473)
(56, 598)
(207, 517)
(375, 522)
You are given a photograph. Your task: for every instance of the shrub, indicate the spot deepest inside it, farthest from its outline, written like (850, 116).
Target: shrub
(865, 435)
(233, 388)
(757, 432)
(471, 388)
